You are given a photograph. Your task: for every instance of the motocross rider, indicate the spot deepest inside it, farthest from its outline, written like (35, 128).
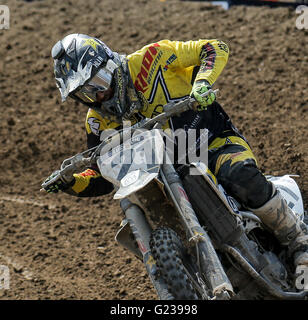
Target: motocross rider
(117, 87)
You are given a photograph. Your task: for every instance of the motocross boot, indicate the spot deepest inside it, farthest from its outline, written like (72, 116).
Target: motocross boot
(286, 226)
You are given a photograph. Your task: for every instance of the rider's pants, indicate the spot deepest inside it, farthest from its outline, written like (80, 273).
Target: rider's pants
(235, 167)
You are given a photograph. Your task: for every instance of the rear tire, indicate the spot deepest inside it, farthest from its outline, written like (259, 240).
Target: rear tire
(169, 252)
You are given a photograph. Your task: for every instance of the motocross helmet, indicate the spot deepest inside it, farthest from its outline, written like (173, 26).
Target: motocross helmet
(84, 65)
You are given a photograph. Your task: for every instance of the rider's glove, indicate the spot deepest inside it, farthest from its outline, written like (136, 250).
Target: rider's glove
(200, 87)
(58, 184)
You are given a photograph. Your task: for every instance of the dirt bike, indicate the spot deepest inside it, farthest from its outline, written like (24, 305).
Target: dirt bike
(196, 241)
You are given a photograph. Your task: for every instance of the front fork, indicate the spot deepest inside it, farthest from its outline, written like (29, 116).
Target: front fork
(210, 264)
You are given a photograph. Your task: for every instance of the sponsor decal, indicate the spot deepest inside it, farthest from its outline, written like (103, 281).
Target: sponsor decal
(223, 46)
(141, 246)
(154, 67)
(150, 262)
(148, 58)
(91, 42)
(97, 61)
(169, 61)
(94, 125)
(207, 57)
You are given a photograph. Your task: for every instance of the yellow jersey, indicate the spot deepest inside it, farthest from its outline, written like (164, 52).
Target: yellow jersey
(163, 72)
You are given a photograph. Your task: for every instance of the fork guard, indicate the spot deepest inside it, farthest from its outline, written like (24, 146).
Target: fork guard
(137, 223)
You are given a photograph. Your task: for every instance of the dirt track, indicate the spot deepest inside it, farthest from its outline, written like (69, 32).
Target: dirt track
(50, 242)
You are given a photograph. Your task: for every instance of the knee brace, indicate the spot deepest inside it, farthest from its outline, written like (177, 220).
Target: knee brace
(245, 182)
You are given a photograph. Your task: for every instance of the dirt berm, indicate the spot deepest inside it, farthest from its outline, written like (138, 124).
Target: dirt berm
(61, 247)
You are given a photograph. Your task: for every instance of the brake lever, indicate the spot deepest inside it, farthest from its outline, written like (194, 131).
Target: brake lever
(68, 168)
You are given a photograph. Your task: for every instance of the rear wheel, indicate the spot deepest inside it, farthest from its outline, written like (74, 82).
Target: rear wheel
(169, 254)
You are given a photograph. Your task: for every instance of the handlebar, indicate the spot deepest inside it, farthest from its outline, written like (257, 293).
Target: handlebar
(175, 109)
(82, 160)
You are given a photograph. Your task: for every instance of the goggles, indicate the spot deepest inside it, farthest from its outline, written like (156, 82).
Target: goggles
(100, 82)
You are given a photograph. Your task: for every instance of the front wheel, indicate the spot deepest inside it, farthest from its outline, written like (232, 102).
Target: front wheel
(168, 252)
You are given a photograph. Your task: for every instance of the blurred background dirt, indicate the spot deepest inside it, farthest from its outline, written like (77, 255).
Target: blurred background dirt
(61, 247)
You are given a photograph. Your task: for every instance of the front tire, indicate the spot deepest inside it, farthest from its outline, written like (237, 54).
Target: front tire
(169, 252)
